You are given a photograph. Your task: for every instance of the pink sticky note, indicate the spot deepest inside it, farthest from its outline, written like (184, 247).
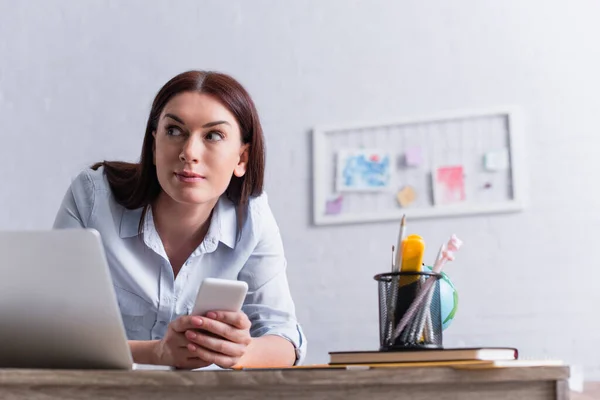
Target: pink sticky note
(449, 184)
(334, 206)
(413, 157)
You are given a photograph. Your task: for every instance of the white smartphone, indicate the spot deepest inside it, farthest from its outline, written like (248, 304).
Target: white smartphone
(217, 294)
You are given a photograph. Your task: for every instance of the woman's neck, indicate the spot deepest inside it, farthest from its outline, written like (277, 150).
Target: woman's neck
(181, 226)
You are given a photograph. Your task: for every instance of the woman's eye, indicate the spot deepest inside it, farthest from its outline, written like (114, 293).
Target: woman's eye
(214, 136)
(173, 131)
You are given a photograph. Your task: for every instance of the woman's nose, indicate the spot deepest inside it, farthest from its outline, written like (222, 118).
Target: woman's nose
(191, 151)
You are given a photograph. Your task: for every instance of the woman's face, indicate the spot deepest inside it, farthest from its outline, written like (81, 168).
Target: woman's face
(197, 148)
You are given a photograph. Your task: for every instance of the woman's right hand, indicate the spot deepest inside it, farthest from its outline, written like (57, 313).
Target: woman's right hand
(172, 349)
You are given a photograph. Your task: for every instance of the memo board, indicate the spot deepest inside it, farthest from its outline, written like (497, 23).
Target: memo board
(457, 163)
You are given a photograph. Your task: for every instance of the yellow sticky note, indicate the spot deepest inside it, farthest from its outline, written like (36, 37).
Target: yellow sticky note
(406, 196)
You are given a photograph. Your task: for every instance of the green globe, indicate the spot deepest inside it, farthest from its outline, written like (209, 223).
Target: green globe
(448, 298)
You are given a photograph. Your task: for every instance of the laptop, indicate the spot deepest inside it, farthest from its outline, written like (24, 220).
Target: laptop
(58, 308)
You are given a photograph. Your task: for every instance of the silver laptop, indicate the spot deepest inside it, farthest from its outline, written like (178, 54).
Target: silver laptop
(58, 308)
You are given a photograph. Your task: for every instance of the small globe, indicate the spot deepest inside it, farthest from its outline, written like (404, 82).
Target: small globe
(448, 298)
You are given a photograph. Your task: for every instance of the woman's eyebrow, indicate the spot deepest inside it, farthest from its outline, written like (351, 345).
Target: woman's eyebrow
(175, 117)
(215, 123)
(207, 125)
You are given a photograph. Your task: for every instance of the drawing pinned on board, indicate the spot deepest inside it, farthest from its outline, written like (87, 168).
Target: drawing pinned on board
(413, 156)
(363, 170)
(445, 139)
(449, 185)
(333, 206)
(406, 196)
(496, 160)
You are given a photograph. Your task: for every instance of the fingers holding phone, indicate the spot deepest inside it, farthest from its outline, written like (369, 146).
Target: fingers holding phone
(217, 331)
(223, 339)
(173, 350)
(224, 334)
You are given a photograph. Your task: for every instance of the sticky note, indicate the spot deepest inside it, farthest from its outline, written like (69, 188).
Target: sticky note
(413, 157)
(334, 206)
(449, 185)
(406, 196)
(496, 160)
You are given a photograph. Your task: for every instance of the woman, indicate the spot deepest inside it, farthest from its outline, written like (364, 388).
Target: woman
(193, 207)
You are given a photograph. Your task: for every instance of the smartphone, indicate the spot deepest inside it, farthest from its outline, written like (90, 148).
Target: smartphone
(217, 294)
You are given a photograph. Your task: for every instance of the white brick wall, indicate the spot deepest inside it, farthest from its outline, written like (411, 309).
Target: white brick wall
(82, 75)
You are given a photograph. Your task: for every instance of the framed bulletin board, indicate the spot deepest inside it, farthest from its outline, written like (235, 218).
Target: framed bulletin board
(455, 163)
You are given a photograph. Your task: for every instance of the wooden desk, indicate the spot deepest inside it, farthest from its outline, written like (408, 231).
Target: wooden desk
(529, 383)
(591, 391)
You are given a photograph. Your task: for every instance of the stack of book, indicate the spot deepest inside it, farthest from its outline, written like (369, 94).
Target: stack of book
(474, 357)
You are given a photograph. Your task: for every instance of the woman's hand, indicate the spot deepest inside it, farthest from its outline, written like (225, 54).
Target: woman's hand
(222, 337)
(172, 348)
(190, 342)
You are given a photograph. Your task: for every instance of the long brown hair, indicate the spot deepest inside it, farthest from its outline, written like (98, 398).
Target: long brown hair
(136, 185)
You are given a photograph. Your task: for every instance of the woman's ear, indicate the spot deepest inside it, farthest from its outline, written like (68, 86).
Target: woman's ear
(240, 168)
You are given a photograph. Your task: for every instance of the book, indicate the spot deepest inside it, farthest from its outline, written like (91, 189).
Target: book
(450, 354)
(511, 364)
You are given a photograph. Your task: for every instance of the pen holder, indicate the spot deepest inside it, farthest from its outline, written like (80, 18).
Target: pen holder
(397, 291)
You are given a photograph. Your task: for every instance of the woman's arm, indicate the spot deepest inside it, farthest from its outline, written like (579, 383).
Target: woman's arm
(269, 304)
(268, 351)
(143, 351)
(223, 338)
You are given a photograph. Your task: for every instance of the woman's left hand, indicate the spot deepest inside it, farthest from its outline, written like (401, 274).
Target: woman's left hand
(222, 337)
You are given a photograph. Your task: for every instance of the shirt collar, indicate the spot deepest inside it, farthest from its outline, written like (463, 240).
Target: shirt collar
(226, 221)
(130, 221)
(223, 225)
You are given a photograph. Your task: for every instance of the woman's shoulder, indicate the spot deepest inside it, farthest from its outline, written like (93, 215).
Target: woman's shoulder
(89, 187)
(259, 204)
(91, 191)
(92, 180)
(260, 214)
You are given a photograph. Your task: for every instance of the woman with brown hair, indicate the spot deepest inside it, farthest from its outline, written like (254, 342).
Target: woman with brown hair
(193, 207)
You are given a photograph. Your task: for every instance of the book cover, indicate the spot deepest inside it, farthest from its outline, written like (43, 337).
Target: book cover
(450, 354)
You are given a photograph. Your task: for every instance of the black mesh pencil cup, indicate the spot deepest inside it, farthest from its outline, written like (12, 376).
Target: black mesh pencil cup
(397, 291)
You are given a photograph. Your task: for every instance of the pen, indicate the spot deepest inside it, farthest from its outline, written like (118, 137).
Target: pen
(393, 294)
(399, 249)
(424, 313)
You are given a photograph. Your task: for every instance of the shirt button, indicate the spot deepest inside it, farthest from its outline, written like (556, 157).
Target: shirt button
(163, 323)
(156, 337)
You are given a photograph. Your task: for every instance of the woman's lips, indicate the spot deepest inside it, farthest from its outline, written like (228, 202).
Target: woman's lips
(189, 177)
